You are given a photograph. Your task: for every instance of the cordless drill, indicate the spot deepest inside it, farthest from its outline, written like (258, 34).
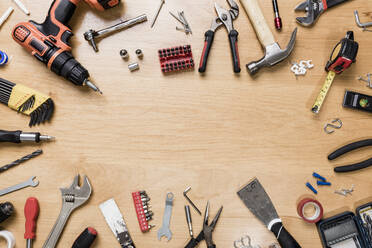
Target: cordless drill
(49, 41)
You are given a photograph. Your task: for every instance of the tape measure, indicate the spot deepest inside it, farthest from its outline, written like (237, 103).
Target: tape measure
(342, 56)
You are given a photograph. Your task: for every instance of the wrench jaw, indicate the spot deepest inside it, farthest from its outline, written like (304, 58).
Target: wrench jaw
(163, 232)
(76, 194)
(33, 182)
(313, 8)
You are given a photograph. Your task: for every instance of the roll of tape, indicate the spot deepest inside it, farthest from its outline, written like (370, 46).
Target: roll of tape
(8, 236)
(310, 202)
(3, 58)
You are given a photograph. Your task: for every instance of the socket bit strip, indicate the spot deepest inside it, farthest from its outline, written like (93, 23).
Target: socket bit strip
(144, 215)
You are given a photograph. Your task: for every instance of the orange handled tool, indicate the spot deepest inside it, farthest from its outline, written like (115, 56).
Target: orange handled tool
(31, 214)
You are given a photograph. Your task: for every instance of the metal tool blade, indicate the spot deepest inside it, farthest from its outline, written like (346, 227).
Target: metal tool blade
(257, 201)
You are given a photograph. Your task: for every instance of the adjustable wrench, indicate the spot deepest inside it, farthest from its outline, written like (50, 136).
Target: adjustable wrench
(165, 230)
(72, 198)
(29, 182)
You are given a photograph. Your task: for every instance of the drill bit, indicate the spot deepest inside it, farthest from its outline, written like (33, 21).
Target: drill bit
(92, 86)
(21, 160)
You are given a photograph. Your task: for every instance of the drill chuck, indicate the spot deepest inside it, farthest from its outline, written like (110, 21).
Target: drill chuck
(6, 210)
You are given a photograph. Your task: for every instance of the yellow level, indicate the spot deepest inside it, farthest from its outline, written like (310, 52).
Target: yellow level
(323, 92)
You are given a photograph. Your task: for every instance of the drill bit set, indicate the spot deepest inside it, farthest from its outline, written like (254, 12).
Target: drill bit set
(144, 214)
(176, 59)
(27, 101)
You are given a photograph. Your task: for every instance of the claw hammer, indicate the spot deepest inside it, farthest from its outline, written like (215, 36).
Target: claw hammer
(273, 53)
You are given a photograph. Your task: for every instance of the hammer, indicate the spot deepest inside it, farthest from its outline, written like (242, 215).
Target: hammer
(273, 53)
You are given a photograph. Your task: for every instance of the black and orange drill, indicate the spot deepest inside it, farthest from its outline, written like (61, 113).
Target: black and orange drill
(49, 41)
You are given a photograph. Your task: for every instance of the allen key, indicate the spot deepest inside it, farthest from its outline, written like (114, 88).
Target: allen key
(189, 200)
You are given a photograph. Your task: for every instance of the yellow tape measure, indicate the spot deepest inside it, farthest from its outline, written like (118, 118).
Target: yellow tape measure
(323, 92)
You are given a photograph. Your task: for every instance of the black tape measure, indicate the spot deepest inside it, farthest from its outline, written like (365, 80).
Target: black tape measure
(342, 57)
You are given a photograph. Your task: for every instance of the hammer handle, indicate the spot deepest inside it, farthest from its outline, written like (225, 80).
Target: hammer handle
(258, 21)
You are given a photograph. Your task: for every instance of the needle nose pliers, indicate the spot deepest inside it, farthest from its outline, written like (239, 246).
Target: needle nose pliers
(206, 233)
(349, 148)
(225, 17)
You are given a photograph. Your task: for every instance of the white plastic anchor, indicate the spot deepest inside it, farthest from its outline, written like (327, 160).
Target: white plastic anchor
(300, 69)
(8, 236)
(6, 15)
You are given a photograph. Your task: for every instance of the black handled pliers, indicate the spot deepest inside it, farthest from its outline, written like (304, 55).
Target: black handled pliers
(206, 233)
(314, 9)
(349, 148)
(226, 18)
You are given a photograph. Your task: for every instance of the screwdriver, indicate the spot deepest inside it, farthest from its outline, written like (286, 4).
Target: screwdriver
(19, 136)
(31, 214)
(86, 238)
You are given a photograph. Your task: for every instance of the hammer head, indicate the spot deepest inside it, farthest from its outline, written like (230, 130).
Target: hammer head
(89, 36)
(273, 55)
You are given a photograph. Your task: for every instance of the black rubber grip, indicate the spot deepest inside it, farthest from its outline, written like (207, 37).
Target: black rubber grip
(354, 167)
(195, 241)
(233, 38)
(349, 148)
(209, 37)
(85, 239)
(10, 136)
(284, 237)
(331, 3)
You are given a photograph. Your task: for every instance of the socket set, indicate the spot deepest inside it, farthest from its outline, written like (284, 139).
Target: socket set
(142, 206)
(348, 229)
(176, 59)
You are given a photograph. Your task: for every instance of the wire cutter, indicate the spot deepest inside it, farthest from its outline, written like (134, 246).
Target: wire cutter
(314, 9)
(225, 17)
(349, 148)
(206, 233)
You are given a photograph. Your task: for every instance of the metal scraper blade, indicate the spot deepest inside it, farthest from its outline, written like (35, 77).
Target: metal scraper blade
(258, 202)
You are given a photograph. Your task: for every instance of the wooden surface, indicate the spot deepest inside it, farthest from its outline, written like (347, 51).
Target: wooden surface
(164, 133)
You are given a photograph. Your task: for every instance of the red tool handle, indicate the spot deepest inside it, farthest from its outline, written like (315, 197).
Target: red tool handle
(31, 214)
(209, 36)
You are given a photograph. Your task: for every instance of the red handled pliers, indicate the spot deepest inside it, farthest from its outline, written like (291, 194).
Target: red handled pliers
(225, 17)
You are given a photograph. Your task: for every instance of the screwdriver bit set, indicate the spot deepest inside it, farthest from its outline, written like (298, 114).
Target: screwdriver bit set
(176, 59)
(142, 206)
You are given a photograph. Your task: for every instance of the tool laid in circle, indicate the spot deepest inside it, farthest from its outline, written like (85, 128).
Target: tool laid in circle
(348, 148)
(5, 16)
(259, 203)
(162, 2)
(31, 211)
(20, 136)
(72, 198)
(314, 9)
(29, 183)
(226, 18)
(305, 203)
(342, 57)
(9, 237)
(91, 34)
(3, 58)
(86, 238)
(189, 200)
(358, 101)
(332, 125)
(165, 229)
(49, 42)
(278, 19)
(21, 160)
(273, 53)
(361, 25)
(115, 221)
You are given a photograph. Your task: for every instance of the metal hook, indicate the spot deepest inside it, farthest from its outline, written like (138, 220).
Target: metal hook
(333, 126)
(361, 25)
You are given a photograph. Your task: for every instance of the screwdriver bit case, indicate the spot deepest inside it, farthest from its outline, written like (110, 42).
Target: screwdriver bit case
(350, 226)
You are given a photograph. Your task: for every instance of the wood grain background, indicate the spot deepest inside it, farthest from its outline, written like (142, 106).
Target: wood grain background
(163, 133)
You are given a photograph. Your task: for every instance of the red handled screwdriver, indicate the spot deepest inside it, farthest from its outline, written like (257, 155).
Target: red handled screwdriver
(31, 214)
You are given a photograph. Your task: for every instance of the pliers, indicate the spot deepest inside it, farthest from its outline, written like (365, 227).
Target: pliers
(349, 148)
(206, 233)
(225, 17)
(314, 9)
